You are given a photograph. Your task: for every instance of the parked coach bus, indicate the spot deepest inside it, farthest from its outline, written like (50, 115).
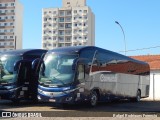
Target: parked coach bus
(87, 73)
(17, 80)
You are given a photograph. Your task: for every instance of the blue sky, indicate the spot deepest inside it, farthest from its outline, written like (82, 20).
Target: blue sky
(140, 20)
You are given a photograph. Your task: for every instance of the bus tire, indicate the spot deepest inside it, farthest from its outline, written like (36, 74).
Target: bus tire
(138, 97)
(93, 99)
(16, 101)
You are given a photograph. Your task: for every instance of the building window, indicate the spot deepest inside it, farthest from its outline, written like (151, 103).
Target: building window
(6, 17)
(54, 45)
(80, 10)
(85, 17)
(75, 24)
(68, 19)
(11, 43)
(5, 24)
(45, 13)
(68, 12)
(85, 11)
(6, 11)
(0, 5)
(61, 32)
(12, 11)
(12, 17)
(5, 37)
(75, 11)
(11, 30)
(6, 5)
(44, 45)
(11, 37)
(12, 4)
(69, 25)
(11, 24)
(61, 13)
(61, 19)
(54, 38)
(80, 17)
(55, 19)
(68, 2)
(54, 12)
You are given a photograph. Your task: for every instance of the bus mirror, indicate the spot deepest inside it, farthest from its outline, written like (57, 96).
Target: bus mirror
(81, 72)
(16, 65)
(35, 63)
(43, 67)
(73, 66)
(75, 63)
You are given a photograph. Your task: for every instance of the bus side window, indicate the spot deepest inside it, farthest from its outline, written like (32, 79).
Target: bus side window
(81, 73)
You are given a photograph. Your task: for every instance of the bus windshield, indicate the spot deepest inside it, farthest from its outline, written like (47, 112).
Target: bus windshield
(7, 74)
(56, 69)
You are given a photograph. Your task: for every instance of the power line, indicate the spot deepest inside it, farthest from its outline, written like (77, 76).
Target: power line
(141, 49)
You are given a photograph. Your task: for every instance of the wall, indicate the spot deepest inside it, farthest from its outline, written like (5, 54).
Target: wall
(154, 85)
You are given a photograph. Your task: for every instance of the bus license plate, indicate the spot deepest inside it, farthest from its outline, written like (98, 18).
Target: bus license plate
(52, 100)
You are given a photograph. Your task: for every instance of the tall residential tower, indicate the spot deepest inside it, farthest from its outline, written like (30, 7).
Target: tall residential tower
(71, 25)
(10, 25)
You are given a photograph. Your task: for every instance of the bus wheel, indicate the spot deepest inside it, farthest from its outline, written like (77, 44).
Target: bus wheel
(15, 101)
(137, 98)
(93, 99)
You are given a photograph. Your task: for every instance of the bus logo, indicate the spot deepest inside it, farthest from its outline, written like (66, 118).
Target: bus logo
(108, 78)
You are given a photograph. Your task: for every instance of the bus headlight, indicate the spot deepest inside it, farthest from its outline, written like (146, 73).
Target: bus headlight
(40, 91)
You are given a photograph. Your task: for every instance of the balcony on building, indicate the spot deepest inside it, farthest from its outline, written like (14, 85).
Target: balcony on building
(61, 33)
(62, 13)
(61, 19)
(68, 13)
(68, 19)
(68, 32)
(68, 25)
(68, 39)
(68, 44)
(61, 26)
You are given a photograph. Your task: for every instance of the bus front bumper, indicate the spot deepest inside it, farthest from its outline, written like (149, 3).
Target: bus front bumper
(69, 98)
(6, 94)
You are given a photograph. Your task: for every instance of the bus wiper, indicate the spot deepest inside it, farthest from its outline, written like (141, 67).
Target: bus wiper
(58, 80)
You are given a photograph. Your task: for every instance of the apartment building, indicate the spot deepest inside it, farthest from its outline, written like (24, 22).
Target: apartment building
(11, 12)
(71, 25)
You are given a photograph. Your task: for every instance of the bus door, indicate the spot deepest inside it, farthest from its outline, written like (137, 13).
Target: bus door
(24, 79)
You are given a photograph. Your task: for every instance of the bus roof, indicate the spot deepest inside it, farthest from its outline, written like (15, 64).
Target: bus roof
(22, 51)
(78, 49)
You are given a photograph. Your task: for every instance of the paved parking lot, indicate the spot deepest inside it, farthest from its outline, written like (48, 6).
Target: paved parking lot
(119, 109)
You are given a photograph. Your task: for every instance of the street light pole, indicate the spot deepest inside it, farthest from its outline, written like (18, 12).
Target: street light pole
(123, 35)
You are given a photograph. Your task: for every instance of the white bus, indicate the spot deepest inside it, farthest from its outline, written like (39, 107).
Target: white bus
(87, 73)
